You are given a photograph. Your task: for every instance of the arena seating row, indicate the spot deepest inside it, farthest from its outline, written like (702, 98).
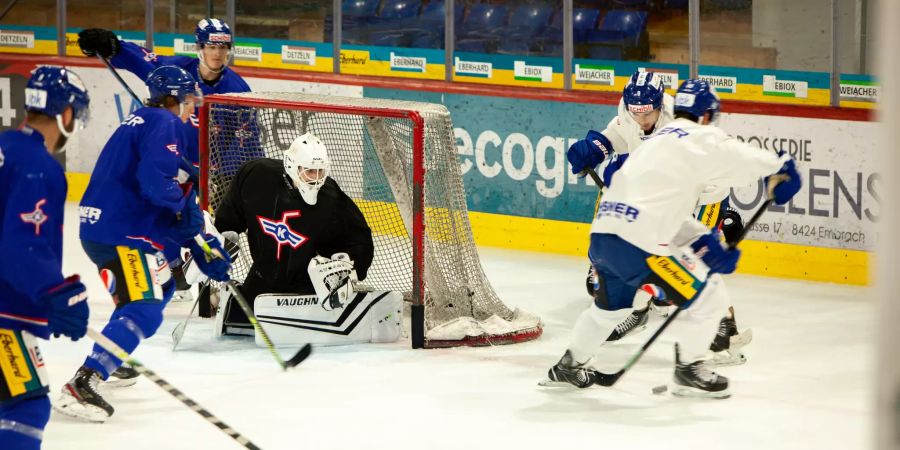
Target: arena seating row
(533, 29)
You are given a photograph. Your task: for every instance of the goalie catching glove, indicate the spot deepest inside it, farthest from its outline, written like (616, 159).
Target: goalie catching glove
(333, 279)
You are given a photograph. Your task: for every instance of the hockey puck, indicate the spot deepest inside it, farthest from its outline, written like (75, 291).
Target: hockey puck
(660, 389)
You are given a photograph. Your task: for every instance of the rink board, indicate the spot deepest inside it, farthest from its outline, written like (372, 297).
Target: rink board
(570, 238)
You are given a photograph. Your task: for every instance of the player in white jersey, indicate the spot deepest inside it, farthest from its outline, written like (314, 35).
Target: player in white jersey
(645, 108)
(644, 233)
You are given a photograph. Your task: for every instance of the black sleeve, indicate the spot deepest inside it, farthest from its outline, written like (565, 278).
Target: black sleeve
(353, 236)
(230, 211)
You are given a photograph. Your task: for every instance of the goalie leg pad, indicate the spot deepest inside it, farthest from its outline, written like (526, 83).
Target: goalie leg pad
(293, 320)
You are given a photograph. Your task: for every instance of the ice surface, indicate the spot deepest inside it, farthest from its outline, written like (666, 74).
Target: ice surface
(807, 385)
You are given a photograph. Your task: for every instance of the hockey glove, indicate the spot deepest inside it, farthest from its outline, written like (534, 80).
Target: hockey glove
(589, 152)
(718, 258)
(217, 264)
(189, 221)
(788, 181)
(732, 224)
(69, 312)
(97, 41)
(611, 166)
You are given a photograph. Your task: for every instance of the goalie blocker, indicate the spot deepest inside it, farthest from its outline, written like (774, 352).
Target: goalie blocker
(337, 315)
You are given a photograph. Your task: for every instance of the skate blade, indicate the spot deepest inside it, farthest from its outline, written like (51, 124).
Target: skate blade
(182, 296)
(120, 382)
(546, 382)
(635, 330)
(691, 392)
(80, 411)
(741, 339)
(728, 358)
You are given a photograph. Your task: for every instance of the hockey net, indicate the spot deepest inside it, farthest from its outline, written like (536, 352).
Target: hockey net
(397, 160)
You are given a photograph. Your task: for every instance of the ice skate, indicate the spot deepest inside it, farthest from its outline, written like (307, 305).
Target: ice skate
(81, 400)
(696, 379)
(635, 322)
(124, 376)
(567, 373)
(727, 344)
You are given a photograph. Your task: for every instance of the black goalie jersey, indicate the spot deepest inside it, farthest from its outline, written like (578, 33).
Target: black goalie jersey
(285, 233)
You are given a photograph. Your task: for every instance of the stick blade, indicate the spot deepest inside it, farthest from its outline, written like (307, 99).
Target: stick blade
(301, 355)
(178, 333)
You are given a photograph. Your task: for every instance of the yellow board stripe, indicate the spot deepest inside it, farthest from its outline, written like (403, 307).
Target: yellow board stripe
(758, 257)
(570, 238)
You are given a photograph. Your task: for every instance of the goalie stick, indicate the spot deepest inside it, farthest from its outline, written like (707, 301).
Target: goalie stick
(114, 348)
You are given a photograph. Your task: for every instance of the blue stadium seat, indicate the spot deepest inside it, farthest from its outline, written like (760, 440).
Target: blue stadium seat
(479, 29)
(433, 11)
(620, 35)
(630, 24)
(583, 20)
(483, 19)
(359, 9)
(400, 9)
(530, 16)
(357, 15)
(526, 23)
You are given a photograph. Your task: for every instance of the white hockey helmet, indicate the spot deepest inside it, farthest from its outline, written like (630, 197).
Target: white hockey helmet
(306, 163)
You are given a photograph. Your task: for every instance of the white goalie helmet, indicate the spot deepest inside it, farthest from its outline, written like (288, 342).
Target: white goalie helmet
(306, 163)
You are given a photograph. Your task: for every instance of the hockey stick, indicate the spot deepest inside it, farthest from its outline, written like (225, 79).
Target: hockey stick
(119, 78)
(210, 253)
(593, 173)
(178, 332)
(609, 379)
(111, 347)
(301, 354)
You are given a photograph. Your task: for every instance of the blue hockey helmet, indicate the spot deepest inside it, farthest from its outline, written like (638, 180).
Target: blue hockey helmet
(172, 81)
(212, 31)
(697, 97)
(50, 90)
(644, 92)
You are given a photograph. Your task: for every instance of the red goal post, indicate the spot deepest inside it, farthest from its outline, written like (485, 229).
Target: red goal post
(397, 160)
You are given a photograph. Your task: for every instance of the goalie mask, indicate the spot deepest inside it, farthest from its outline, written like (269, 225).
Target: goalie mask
(306, 163)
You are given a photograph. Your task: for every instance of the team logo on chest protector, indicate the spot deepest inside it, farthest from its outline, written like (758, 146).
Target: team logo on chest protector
(282, 232)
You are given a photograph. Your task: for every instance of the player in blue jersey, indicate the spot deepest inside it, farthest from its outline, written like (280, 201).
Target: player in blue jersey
(210, 69)
(237, 135)
(36, 300)
(137, 213)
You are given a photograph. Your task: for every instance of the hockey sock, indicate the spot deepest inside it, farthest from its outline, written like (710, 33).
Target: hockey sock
(22, 425)
(124, 332)
(592, 327)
